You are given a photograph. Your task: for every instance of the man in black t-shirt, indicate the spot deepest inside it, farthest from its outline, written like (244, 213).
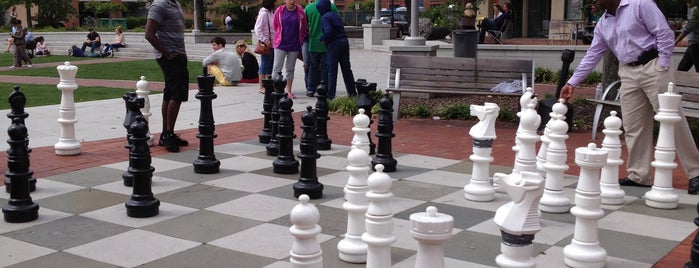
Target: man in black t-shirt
(92, 40)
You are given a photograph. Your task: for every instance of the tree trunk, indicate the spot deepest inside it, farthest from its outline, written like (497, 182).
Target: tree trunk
(28, 6)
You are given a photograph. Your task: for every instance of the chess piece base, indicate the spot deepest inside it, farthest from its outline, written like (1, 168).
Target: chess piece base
(662, 198)
(554, 202)
(582, 254)
(612, 194)
(67, 148)
(314, 191)
(515, 256)
(479, 191)
(142, 208)
(351, 249)
(21, 213)
(206, 166)
(286, 168)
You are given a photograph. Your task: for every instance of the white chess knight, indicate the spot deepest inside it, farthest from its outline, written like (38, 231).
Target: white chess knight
(519, 218)
(479, 187)
(67, 143)
(554, 199)
(585, 250)
(305, 251)
(351, 248)
(361, 129)
(431, 229)
(611, 192)
(662, 195)
(379, 220)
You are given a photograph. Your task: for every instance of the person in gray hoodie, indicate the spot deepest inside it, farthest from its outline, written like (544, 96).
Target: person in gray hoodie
(338, 51)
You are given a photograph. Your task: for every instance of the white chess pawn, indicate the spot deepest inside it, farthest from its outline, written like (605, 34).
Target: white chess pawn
(361, 129)
(519, 220)
(612, 194)
(305, 251)
(142, 91)
(584, 250)
(662, 195)
(553, 199)
(379, 220)
(526, 139)
(351, 248)
(67, 143)
(431, 229)
(479, 187)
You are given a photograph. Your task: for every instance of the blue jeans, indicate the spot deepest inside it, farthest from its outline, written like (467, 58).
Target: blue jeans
(266, 62)
(338, 52)
(92, 45)
(317, 70)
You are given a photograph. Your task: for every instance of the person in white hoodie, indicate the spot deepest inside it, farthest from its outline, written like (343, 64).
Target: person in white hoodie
(223, 64)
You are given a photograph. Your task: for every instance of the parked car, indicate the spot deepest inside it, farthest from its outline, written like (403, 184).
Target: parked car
(400, 21)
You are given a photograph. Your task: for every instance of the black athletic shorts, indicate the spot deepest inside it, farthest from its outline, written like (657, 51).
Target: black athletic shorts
(176, 77)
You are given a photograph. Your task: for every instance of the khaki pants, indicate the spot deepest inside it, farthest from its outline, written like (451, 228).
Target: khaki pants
(640, 86)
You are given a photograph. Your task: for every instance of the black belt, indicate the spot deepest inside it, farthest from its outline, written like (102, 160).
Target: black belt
(644, 58)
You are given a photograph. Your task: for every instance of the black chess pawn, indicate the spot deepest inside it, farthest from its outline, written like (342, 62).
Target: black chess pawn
(384, 154)
(273, 145)
(308, 181)
(285, 162)
(20, 207)
(323, 142)
(206, 162)
(366, 102)
(133, 109)
(142, 203)
(18, 101)
(266, 133)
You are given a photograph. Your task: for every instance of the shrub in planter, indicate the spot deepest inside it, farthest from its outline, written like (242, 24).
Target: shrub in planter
(438, 33)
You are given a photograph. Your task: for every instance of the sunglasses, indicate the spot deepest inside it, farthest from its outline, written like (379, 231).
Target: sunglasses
(241, 46)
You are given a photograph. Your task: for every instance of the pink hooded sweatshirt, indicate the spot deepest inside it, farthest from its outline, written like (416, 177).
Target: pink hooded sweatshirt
(277, 23)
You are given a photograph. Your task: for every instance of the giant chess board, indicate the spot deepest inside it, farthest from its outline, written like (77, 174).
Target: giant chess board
(240, 216)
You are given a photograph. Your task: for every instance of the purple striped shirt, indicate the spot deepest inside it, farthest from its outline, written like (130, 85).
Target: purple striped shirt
(637, 26)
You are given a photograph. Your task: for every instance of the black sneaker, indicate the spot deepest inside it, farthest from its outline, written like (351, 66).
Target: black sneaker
(180, 141)
(170, 142)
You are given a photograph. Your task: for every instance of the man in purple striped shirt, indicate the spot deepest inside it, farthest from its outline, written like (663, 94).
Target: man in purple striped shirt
(638, 34)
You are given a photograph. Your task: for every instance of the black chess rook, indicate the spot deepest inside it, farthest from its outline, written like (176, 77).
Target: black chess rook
(285, 162)
(17, 111)
(323, 142)
(142, 203)
(266, 133)
(308, 181)
(20, 207)
(273, 145)
(384, 154)
(366, 102)
(133, 108)
(206, 162)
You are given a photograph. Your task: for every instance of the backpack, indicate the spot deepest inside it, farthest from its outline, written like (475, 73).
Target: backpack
(75, 51)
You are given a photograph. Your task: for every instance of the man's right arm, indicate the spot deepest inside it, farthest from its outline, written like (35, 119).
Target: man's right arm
(151, 29)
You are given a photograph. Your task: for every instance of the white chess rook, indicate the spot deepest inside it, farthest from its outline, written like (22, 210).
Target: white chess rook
(67, 144)
(305, 251)
(519, 219)
(361, 129)
(142, 91)
(585, 250)
(662, 195)
(553, 199)
(431, 229)
(379, 220)
(479, 187)
(612, 194)
(351, 248)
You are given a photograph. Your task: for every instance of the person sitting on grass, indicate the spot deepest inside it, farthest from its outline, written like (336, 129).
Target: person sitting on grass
(223, 64)
(250, 65)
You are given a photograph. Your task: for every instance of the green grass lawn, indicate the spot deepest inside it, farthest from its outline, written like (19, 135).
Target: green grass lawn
(39, 95)
(130, 70)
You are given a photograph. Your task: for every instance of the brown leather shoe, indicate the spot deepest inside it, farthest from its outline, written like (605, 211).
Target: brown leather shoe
(628, 182)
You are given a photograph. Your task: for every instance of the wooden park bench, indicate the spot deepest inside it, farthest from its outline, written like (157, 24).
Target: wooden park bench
(686, 84)
(442, 75)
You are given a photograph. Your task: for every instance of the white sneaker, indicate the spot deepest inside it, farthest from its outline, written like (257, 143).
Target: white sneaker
(12, 67)
(29, 66)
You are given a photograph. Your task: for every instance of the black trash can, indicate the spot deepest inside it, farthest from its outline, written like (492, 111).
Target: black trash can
(465, 43)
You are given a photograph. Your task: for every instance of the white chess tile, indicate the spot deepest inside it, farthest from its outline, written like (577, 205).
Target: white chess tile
(337, 179)
(424, 161)
(132, 248)
(441, 177)
(239, 148)
(398, 204)
(256, 206)
(256, 241)
(160, 164)
(279, 264)
(46, 188)
(448, 262)
(553, 258)
(158, 185)
(647, 225)
(334, 148)
(45, 215)
(457, 199)
(249, 182)
(686, 198)
(551, 231)
(16, 251)
(245, 163)
(332, 162)
(117, 214)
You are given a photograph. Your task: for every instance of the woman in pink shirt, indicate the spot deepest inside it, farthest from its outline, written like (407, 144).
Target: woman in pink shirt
(290, 30)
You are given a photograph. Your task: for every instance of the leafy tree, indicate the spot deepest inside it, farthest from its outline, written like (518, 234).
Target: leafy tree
(53, 13)
(364, 5)
(101, 9)
(243, 13)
